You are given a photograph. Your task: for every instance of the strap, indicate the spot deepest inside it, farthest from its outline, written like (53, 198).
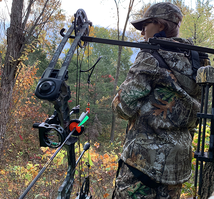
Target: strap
(119, 166)
(120, 162)
(198, 59)
(156, 55)
(195, 63)
(146, 180)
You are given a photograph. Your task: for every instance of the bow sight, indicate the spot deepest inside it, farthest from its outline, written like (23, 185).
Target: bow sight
(52, 135)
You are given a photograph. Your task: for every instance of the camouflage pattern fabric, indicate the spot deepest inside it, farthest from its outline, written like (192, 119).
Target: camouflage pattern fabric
(128, 187)
(162, 10)
(161, 108)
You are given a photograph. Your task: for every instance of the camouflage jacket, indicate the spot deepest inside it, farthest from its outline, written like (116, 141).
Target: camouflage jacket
(161, 106)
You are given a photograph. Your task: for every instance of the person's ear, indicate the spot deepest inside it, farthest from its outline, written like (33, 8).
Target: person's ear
(161, 27)
(142, 32)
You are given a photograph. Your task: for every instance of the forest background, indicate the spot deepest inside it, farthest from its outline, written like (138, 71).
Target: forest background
(22, 157)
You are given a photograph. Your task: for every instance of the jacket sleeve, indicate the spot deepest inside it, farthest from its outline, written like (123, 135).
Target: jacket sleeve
(137, 85)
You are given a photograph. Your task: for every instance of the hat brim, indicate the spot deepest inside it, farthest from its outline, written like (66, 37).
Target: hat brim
(139, 23)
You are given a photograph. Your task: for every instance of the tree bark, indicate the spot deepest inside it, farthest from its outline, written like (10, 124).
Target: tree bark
(14, 44)
(208, 180)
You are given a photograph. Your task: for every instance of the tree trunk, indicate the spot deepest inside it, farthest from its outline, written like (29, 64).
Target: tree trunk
(14, 44)
(17, 39)
(119, 59)
(115, 86)
(208, 180)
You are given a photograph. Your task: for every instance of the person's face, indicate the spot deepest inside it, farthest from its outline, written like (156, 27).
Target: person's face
(149, 29)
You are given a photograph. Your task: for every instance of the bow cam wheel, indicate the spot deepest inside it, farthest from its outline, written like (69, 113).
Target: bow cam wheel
(80, 19)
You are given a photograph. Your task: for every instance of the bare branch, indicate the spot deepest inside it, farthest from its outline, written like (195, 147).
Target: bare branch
(36, 22)
(28, 13)
(51, 13)
(131, 3)
(39, 18)
(118, 19)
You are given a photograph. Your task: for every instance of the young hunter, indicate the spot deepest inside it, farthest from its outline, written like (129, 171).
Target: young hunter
(160, 100)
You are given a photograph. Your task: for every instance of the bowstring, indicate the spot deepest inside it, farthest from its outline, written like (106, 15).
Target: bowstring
(78, 85)
(88, 103)
(78, 76)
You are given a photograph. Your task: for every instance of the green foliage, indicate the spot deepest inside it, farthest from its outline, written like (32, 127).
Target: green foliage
(41, 56)
(188, 187)
(198, 23)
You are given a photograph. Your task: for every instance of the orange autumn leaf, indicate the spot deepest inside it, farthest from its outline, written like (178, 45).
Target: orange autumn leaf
(105, 195)
(106, 155)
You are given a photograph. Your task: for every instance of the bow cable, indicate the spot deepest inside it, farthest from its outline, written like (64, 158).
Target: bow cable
(83, 192)
(78, 85)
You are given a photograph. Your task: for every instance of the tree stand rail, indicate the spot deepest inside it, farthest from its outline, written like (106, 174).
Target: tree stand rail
(205, 78)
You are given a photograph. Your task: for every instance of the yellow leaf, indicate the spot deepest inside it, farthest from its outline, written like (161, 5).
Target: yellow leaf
(2, 172)
(10, 188)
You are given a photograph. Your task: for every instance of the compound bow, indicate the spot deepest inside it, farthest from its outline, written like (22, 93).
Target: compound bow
(52, 87)
(58, 130)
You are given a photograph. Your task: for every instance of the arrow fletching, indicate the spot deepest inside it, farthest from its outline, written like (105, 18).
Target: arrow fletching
(84, 120)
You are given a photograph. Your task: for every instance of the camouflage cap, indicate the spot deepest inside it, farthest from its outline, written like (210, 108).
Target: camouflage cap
(163, 10)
